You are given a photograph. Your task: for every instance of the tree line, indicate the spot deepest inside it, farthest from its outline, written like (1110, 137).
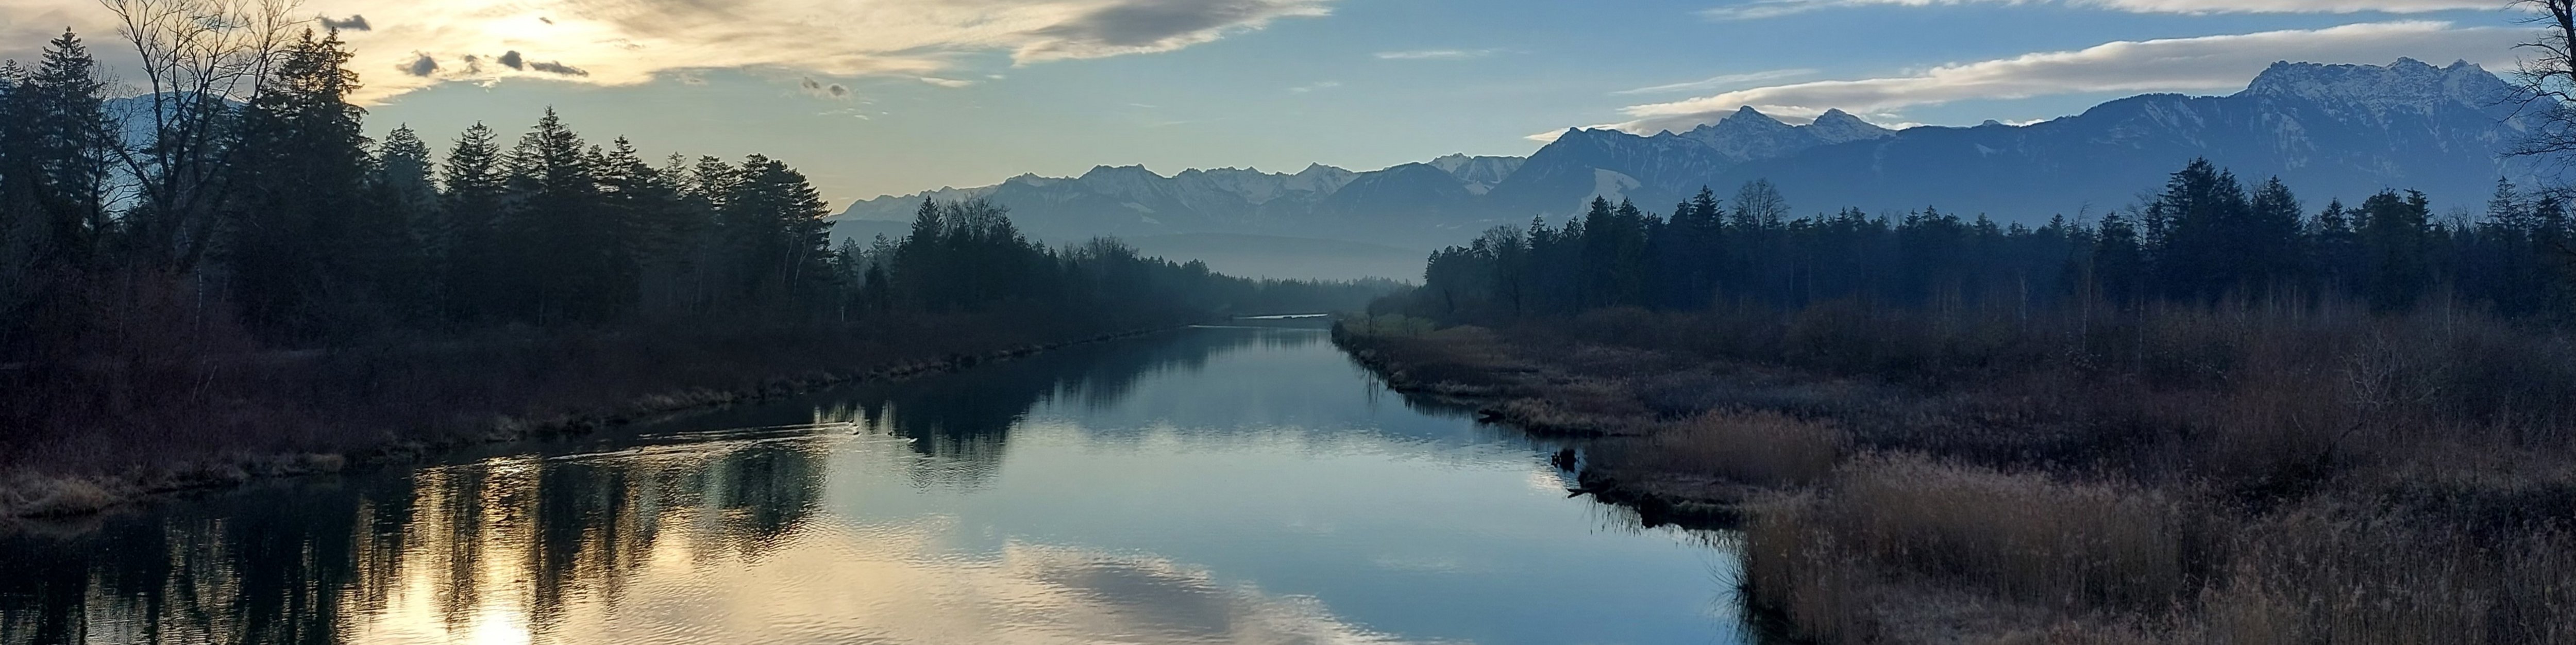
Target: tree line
(2205, 237)
(268, 210)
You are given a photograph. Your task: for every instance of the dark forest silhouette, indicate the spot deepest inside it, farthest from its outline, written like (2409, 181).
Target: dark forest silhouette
(2206, 237)
(230, 263)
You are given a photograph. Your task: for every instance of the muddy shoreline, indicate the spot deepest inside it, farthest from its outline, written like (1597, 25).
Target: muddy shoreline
(1521, 398)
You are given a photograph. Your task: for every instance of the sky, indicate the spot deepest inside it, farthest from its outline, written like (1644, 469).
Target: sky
(872, 97)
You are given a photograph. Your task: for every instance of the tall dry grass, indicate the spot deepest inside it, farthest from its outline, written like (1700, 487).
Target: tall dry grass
(1760, 447)
(2246, 472)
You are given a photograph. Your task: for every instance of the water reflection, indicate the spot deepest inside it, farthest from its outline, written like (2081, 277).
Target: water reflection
(1221, 486)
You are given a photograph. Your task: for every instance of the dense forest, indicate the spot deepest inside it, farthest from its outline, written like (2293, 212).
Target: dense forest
(2220, 415)
(281, 210)
(2206, 237)
(227, 242)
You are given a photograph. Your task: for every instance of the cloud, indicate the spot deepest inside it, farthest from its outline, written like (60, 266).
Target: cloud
(1438, 54)
(1716, 82)
(2206, 63)
(420, 65)
(1758, 9)
(1143, 26)
(1312, 87)
(354, 23)
(946, 82)
(627, 42)
(819, 89)
(552, 67)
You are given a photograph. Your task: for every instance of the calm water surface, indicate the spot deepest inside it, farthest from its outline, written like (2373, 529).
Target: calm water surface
(1215, 485)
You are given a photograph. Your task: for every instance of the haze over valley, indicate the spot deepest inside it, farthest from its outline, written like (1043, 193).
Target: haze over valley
(2339, 130)
(1285, 322)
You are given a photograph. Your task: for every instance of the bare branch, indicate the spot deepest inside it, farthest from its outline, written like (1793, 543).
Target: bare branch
(200, 59)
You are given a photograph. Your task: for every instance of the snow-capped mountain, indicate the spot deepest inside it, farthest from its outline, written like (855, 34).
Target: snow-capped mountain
(2330, 131)
(1319, 202)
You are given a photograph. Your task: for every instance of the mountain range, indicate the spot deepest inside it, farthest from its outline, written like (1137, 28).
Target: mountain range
(2328, 130)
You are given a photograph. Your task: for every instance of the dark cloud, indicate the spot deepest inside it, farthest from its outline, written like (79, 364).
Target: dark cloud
(512, 60)
(552, 67)
(819, 89)
(423, 65)
(1149, 23)
(354, 23)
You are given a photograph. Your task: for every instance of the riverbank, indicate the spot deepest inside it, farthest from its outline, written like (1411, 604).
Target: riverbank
(2179, 476)
(437, 399)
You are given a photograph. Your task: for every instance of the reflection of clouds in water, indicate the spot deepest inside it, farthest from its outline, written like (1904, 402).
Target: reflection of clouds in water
(659, 546)
(899, 582)
(792, 522)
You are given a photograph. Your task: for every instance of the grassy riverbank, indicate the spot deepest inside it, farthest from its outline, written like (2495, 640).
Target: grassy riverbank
(2175, 475)
(101, 433)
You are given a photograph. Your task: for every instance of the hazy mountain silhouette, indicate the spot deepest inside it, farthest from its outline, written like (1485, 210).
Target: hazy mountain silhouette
(2332, 130)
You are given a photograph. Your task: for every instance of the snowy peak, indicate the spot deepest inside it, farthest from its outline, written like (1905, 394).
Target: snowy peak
(2406, 83)
(1837, 126)
(1478, 173)
(1320, 179)
(1748, 134)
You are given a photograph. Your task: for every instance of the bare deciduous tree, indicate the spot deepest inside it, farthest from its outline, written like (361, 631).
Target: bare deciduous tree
(2550, 78)
(199, 58)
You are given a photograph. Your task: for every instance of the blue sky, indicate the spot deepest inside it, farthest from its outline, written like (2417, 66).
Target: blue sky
(894, 96)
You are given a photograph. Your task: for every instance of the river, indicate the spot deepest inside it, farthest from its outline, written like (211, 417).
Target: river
(1208, 485)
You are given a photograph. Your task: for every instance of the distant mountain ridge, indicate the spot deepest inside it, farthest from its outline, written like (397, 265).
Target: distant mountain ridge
(2330, 131)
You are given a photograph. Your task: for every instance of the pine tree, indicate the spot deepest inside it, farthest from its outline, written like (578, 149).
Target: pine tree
(2194, 229)
(57, 166)
(403, 186)
(2396, 238)
(774, 219)
(305, 247)
(2268, 246)
(473, 202)
(569, 248)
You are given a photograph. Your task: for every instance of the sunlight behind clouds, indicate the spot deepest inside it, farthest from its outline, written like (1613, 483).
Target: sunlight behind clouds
(409, 45)
(2206, 63)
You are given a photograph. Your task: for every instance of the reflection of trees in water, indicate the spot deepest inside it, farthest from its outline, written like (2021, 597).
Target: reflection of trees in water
(960, 422)
(441, 548)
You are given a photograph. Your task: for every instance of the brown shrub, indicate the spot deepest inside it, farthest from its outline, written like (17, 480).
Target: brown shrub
(2026, 537)
(1760, 448)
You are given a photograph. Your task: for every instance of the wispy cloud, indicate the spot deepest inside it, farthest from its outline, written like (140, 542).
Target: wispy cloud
(1758, 9)
(2206, 63)
(1438, 54)
(946, 82)
(1314, 87)
(1717, 82)
(627, 42)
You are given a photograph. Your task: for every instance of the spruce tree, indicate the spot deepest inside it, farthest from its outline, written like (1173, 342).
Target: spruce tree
(305, 247)
(474, 199)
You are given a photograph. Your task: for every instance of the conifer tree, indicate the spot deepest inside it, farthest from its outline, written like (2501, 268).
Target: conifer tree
(304, 245)
(2395, 238)
(476, 188)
